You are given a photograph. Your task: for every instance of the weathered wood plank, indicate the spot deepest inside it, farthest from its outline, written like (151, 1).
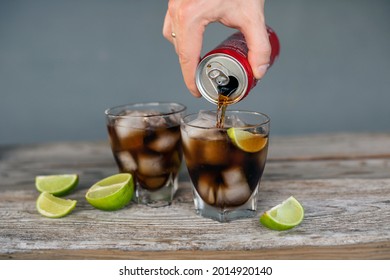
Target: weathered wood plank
(343, 181)
(307, 147)
(372, 251)
(294, 157)
(338, 213)
(330, 146)
(20, 164)
(322, 169)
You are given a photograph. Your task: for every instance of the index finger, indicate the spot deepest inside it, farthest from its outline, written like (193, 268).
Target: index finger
(259, 48)
(188, 46)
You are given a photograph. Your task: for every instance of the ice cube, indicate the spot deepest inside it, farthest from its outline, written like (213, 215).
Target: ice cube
(235, 190)
(202, 123)
(210, 116)
(132, 119)
(209, 147)
(203, 138)
(151, 164)
(234, 121)
(233, 175)
(214, 152)
(207, 185)
(235, 195)
(152, 182)
(140, 120)
(154, 121)
(204, 119)
(164, 141)
(202, 129)
(187, 136)
(125, 127)
(130, 132)
(174, 119)
(126, 161)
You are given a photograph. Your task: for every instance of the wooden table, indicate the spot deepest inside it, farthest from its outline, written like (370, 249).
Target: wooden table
(342, 180)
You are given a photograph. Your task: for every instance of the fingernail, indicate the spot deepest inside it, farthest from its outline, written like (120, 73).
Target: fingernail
(196, 94)
(261, 70)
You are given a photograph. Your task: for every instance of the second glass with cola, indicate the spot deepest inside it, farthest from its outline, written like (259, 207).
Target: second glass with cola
(225, 164)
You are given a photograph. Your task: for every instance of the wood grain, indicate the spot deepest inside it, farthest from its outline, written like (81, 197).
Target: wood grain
(346, 196)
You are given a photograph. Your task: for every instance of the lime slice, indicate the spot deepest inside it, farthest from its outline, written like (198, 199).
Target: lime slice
(284, 216)
(247, 141)
(54, 207)
(57, 185)
(111, 193)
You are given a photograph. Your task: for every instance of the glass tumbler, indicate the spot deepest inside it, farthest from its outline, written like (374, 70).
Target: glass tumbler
(145, 141)
(225, 164)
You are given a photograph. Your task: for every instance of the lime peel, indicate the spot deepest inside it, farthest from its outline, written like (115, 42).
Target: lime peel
(111, 193)
(58, 185)
(99, 191)
(284, 216)
(246, 140)
(54, 207)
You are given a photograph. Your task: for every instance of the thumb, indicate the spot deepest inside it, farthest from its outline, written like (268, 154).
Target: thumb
(259, 50)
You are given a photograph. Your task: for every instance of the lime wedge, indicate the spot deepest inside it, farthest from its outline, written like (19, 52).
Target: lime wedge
(111, 193)
(247, 141)
(57, 185)
(53, 207)
(284, 216)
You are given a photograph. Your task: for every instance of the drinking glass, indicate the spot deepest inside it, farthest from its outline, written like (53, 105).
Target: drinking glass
(145, 141)
(225, 164)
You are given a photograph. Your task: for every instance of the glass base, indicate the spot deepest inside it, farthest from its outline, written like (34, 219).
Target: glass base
(227, 214)
(158, 198)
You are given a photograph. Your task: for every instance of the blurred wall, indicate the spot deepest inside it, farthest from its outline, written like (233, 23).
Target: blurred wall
(63, 62)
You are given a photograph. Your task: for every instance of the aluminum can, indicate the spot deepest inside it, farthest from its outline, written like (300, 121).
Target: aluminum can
(226, 70)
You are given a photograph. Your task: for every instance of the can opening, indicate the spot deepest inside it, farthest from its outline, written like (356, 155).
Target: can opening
(229, 88)
(221, 75)
(225, 84)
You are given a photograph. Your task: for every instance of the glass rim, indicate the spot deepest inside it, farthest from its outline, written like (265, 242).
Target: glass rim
(109, 111)
(248, 112)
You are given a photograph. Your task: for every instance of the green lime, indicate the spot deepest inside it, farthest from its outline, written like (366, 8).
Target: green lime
(111, 193)
(54, 207)
(284, 216)
(57, 185)
(247, 141)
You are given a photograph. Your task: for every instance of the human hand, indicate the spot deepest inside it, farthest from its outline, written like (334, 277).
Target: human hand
(186, 20)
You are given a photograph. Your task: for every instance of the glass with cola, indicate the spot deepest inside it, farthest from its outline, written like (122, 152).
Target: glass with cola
(225, 164)
(145, 141)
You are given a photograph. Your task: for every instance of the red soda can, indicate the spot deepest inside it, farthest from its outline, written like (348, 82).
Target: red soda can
(225, 70)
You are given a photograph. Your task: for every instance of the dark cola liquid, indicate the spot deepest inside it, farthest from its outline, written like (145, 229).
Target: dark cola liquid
(224, 92)
(221, 110)
(152, 154)
(223, 175)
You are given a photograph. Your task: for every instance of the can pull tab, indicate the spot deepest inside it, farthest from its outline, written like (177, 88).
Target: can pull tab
(223, 83)
(229, 88)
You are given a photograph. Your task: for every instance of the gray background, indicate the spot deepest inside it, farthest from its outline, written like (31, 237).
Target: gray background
(63, 62)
